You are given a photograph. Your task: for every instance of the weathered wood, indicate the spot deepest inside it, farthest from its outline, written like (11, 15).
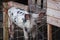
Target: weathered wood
(18, 5)
(38, 6)
(53, 12)
(49, 32)
(53, 20)
(44, 4)
(54, 4)
(5, 22)
(31, 5)
(39, 2)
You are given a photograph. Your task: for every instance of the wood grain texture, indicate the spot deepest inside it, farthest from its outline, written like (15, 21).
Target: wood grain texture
(5, 23)
(54, 13)
(53, 21)
(49, 32)
(53, 4)
(45, 4)
(39, 2)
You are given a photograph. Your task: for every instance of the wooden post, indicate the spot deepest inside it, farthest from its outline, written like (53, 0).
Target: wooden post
(31, 2)
(44, 4)
(31, 5)
(5, 22)
(49, 31)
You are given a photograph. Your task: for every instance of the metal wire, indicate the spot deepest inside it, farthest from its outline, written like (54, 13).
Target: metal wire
(30, 35)
(38, 27)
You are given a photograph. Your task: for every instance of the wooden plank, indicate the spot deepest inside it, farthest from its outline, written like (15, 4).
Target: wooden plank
(53, 20)
(31, 5)
(54, 13)
(49, 32)
(5, 22)
(44, 4)
(18, 5)
(54, 4)
(39, 2)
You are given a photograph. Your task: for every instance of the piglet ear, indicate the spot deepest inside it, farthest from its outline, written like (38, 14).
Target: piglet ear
(26, 12)
(27, 16)
(9, 12)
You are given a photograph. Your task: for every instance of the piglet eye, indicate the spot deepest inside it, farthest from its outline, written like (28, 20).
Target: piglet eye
(9, 11)
(12, 14)
(18, 11)
(22, 13)
(14, 19)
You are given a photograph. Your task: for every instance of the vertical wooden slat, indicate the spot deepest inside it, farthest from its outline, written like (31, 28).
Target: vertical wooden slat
(38, 6)
(49, 31)
(5, 22)
(39, 2)
(44, 5)
(31, 5)
(31, 2)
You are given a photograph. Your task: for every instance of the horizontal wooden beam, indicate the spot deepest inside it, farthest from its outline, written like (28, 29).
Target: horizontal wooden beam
(54, 4)
(54, 13)
(53, 21)
(18, 5)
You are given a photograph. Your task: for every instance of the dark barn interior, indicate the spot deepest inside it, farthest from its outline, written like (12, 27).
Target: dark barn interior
(43, 29)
